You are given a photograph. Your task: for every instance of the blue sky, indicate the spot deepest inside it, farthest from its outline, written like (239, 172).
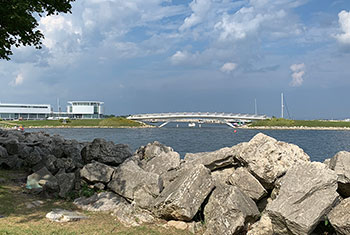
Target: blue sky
(203, 55)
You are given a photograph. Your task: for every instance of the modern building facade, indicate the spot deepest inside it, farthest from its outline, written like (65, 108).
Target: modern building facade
(24, 111)
(75, 110)
(85, 109)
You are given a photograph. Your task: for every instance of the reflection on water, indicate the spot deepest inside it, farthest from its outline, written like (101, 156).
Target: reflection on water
(183, 139)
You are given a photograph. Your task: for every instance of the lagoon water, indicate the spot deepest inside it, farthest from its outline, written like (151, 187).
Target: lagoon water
(318, 144)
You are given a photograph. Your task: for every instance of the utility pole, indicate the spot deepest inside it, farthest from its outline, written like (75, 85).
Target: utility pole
(282, 106)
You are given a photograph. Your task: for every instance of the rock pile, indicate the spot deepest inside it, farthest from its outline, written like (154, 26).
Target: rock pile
(263, 186)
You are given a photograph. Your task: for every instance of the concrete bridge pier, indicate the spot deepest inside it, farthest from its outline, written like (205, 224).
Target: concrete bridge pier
(163, 124)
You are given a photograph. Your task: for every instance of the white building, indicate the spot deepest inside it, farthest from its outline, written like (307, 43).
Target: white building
(24, 111)
(85, 109)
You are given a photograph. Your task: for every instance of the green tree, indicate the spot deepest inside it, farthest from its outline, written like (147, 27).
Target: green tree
(18, 22)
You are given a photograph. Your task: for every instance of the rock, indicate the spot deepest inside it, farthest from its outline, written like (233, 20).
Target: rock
(247, 183)
(42, 178)
(262, 227)
(307, 194)
(340, 163)
(221, 176)
(50, 163)
(128, 216)
(2, 180)
(99, 186)
(11, 162)
(129, 177)
(267, 159)
(12, 146)
(34, 204)
(66, 182)
(229, 211)
(340, 217)
(105, 152)
(213, 160)
(33, 158)
(68, 164)
(60, 215)
(97, 172)
(158, 158)
(177, 224)
(105, 201)
(3, 152)
(184, 196)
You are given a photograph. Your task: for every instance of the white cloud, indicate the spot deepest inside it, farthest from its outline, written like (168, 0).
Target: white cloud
(228, 67)
(183, 57)
(298, 71)
(18, 80)
(199, 10)
(344, 22)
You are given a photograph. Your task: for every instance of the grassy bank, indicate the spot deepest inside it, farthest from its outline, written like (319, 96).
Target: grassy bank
(108, 122)
(281, 122)
(16, 218)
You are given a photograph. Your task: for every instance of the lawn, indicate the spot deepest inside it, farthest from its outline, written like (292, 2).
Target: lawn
(280, 122)
(18, 219)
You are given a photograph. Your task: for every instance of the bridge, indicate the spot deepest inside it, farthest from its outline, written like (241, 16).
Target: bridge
(227, 118)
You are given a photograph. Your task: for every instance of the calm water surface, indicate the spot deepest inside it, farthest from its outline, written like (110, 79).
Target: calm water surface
(318, 144)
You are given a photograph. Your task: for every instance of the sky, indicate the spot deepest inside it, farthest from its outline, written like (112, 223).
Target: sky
(151, 56)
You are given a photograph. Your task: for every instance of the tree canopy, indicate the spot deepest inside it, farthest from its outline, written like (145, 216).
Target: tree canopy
(18, 22)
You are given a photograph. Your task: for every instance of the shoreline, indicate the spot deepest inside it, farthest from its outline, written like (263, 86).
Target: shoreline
(80, 127)
(296, 128)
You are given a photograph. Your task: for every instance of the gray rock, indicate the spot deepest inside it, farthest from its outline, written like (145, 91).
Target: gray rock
(340, 163)
(66, 182)
(229, 211)
(105, 201)
(262, 227)
(11, 162)
(97, 172)
(60, 215)
(213, 160)
(12, 146)
(33, 158)
(267, 159)
(183, 197)
(3, 152)
(221, 176)
(129, 216)
(129, 177)
(307, 194)
(158, 158)
(105, 152)
(247, 183)
(340, 217)
(68, 164)
(42, 178)
(50, 163)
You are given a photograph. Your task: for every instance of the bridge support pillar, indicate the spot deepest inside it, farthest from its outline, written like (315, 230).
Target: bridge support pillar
(230, 124)
(163, 124)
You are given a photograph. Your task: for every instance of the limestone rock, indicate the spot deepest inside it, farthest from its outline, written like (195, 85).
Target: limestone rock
(229, 211)
(221, 176)
(129, 216)
(97, 172)
(44, 179)
(262, 227)
(129, 177)
(12, 146)
(340, 217)
(105, 152)
(267, 159)
(60, 215)
(213, 160)
(183, 197)
(307, 194)
(340, 163)
(105, 201)
(177, 224)
(158, 158)
(3, 152)
(66, 182)
(247, 183)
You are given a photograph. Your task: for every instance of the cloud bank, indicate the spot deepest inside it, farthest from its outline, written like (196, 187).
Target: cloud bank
(298, 71)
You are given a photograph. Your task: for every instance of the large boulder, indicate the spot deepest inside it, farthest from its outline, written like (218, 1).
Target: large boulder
(129, 178)
(229, 211)
(42, 178)
(247, 183)
(12, 146)
(340, 217)
(97, 172)
(105, 201)
(340, 163)
(66, 183)
(158, 158)
(213, 160)
(261, 227)
(184, 196)
(307, 193)
(105, 152)
(268, 159)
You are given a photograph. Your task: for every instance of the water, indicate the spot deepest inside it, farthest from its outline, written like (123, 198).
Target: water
(318, 144)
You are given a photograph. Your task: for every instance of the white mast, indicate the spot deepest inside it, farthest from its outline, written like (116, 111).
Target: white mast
(256, 107)
(282, 105)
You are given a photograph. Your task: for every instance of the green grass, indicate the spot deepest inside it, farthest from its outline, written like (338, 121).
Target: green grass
(280, 122)
(108, 122)
(21, 220)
